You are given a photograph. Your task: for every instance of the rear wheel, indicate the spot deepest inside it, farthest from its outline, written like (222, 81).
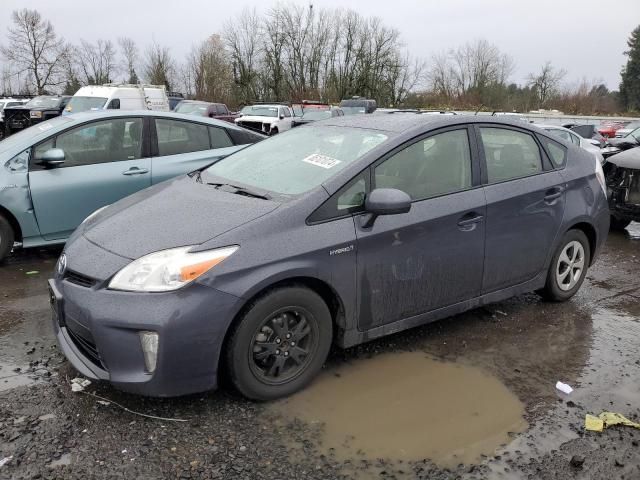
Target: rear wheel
(7, 237)
(279, 344)
(568, 267)
(619, 223)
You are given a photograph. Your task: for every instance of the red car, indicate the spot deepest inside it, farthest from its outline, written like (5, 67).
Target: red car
(218, 111)
(609, 129)
(298, 108)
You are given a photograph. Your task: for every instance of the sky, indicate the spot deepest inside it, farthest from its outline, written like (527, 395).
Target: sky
(587, 38)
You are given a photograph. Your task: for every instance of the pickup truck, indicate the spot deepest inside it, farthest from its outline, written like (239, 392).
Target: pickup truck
(36, 110)
(219, 111)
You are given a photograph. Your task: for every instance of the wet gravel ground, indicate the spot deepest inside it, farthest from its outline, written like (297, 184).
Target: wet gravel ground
(591, 343)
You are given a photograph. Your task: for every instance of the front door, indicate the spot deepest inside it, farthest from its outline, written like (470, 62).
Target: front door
(431, 257)
(103, 163)
(525, 204)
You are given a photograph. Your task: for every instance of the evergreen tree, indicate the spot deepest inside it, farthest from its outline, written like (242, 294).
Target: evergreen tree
(630, 85)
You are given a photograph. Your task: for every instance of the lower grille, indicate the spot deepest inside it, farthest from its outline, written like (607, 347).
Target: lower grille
(255, 126)
(79, 279)
(87, 348)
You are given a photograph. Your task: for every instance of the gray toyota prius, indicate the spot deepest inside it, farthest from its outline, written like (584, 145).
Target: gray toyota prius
(338, 232)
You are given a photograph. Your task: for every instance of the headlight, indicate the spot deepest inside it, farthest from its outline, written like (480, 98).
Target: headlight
(35, 114)
(167, 270)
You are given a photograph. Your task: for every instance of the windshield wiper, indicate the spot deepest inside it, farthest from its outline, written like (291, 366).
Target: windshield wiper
(197, 174)
(240, 190)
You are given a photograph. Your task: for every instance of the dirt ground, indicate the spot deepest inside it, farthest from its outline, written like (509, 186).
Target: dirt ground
(472, 396)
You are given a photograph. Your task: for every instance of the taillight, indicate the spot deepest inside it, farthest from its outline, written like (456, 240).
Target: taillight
(600, 177)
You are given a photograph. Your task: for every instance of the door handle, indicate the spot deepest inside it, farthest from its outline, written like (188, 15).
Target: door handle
(553, 194)
(466, 220)
(135, 171)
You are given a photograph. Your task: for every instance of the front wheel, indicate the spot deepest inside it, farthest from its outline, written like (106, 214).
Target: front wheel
(7, 237)
(280, 343)
(568, 267)
(619, 223)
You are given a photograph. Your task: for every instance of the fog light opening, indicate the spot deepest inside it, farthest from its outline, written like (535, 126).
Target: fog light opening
(149, 343)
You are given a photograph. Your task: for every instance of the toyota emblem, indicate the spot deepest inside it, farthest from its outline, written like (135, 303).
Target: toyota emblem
(62, 264)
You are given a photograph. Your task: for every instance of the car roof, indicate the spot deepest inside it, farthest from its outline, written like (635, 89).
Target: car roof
(86, 116)
(397, 124)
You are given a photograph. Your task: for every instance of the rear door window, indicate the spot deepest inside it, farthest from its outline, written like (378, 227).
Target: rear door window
(509, 154)
(176, 136)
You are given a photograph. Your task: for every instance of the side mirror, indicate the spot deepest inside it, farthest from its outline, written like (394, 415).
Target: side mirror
(593, 141)
(386, 201)
(52, 157)
(281, 117)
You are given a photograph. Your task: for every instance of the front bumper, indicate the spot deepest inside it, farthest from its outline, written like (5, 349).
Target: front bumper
(98, 331)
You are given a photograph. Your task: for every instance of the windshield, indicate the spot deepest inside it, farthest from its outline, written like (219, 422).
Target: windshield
(316, 114)
(295, 161)
(83, 104)
(260, 111)
(44, 102)
(199, 108)
(353, 110)
(635, 134)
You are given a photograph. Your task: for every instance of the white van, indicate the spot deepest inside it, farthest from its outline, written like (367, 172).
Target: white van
(118, 97)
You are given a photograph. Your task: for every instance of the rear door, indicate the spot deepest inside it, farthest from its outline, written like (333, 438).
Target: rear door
(104, 161)
(182, 146)
(525, 205)
(431, 257)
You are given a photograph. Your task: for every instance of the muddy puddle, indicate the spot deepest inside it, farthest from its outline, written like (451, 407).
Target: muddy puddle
(407, 406)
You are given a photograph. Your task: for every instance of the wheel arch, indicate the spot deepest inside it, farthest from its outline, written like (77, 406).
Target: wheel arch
(592, 235)
(321, 287)
(13, 221)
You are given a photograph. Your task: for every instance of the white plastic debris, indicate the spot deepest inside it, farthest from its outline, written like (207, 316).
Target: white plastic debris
(564, 388)
(102, 402)
(5, 460)
(79, 384)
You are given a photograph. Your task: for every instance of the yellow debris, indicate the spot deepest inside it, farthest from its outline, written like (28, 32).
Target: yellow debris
(607, 419)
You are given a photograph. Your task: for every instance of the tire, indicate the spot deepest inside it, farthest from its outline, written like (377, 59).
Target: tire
(262, 365)
(619, 223)
(567, 272)
(274, 131)
(7, 237)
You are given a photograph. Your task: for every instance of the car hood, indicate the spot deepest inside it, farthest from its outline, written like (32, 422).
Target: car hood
(175, 213)
(627, 159)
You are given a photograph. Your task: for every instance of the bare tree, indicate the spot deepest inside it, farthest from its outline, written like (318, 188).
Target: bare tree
(546, 83)
(34, 49)
(130, 57)
(159, 67)
(97, 61)
(208, 74)
(243, 36)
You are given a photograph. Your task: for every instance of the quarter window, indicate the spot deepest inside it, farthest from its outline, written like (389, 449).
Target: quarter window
(175, 136)
(349, 199)
(509, 154)
(98, 142)
(219, 138)
(557, 152)
(434, 166)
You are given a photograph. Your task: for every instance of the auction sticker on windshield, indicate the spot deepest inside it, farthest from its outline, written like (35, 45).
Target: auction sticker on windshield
(321, 160)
